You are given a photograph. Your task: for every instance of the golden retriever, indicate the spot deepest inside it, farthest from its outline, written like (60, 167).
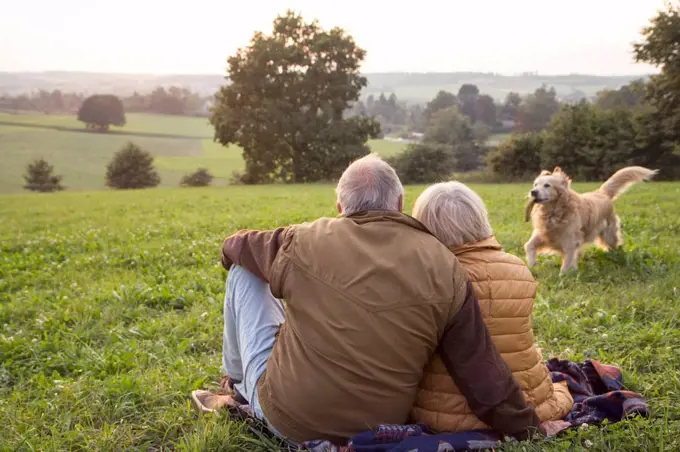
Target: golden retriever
(565, 221)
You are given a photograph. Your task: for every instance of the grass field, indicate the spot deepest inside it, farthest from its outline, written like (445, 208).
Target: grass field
(180, 145)
(110, 312)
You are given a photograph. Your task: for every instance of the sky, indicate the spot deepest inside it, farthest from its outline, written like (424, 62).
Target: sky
(197, 36)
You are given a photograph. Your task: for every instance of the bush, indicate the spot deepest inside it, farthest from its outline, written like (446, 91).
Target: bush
(131, 167)
(424, 163)
(519, 157)
(39, 177)
(199, 178)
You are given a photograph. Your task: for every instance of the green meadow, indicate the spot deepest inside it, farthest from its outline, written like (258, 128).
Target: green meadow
(180, 145)
(110, 302)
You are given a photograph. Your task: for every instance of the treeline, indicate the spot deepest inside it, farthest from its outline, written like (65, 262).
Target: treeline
(168, 101)
(516, 113)
(621, 128)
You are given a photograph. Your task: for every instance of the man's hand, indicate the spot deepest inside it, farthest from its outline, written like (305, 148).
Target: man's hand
(552, 428)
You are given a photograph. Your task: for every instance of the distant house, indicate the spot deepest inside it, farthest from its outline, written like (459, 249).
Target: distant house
(507, 124)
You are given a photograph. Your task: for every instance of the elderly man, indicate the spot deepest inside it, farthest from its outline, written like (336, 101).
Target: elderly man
(369, 296)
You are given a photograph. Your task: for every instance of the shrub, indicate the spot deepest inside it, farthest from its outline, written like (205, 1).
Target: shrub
(131, 167)
(199, 178)
(519, 157)
(39, 177)
(423, 163)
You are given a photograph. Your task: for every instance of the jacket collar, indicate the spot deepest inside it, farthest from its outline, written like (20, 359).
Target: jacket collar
(489, 243)
(369, 216)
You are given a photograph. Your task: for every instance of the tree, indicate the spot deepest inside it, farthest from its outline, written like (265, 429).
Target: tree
(101, 111)
(424, 163)
(39, 177)
(536, 110)
(167, 102)
(450, 128)
(592, 143)
(131, 167)
(441, 101)
(199, 178)
(511, 106)
(56, 101)
(485, 110)
(468, 92)
(519, 157)
(628, 96)
(286, 100)
(467, 95)
(661, 47)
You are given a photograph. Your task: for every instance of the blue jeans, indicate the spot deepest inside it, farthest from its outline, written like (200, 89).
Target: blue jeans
(252, 317)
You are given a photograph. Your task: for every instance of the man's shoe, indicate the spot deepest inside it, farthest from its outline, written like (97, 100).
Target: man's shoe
(207, 402)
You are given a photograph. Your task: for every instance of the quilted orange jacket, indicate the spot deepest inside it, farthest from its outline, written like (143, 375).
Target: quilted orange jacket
(506, 290)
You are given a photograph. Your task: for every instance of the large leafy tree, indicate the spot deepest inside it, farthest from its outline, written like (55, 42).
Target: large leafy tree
(285, 101)
(661, 47)
(101, 111)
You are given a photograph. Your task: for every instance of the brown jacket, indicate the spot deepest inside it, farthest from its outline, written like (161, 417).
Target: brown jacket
(505, 290)
(368, 299)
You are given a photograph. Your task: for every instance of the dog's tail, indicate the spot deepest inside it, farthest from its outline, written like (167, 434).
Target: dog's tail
(624, 178)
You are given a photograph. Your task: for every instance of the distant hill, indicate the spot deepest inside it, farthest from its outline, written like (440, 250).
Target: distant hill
(413, 87)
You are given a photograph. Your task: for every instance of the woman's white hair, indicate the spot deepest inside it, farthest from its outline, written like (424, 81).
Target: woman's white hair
(454, 213)
(369, 183)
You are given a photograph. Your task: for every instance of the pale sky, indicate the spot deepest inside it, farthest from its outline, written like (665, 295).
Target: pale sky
(196, 37)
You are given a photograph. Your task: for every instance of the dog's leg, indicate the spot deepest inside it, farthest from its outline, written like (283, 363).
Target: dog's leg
(610, 239)
(530, 248)
(570, 257)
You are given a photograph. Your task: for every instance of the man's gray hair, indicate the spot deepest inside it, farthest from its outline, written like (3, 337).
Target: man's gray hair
(369, 183)
(454, 213)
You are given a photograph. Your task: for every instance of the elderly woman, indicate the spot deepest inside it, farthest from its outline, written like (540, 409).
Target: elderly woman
(456, 215)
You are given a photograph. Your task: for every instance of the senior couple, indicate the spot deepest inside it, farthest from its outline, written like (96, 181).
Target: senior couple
(376, 317)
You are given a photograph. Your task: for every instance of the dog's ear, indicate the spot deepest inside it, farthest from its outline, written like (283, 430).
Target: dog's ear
(545, 173)
(566, 180)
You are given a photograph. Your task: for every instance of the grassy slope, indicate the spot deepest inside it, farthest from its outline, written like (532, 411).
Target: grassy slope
(180, 144)
(110, 311)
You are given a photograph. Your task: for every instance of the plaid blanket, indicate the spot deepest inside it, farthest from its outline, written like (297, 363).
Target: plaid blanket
(598, 394)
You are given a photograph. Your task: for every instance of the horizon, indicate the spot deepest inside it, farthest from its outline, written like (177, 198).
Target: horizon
(580, 38)
(495, 74)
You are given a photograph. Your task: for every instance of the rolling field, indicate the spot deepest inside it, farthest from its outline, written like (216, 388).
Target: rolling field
(110, 312)
(180, 145)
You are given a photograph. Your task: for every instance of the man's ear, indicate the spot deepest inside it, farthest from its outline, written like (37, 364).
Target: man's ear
(339, 207)
(401, 203)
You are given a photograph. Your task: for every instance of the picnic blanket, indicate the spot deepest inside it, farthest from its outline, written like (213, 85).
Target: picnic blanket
(598, 394)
